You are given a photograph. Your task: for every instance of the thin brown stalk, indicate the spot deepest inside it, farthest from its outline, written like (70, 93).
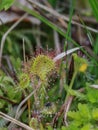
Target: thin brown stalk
(23, 101)
(8, 100)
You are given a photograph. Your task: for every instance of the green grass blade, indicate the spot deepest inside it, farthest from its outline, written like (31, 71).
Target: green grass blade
(69, 24)
(94, 6)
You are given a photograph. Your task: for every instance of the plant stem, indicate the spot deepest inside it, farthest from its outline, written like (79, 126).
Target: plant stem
(28, 104)
(73, 78)
(29, 109)
(68, 97)
(70, 86)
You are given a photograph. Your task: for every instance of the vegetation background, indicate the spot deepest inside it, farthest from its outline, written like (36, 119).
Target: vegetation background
(48, 65)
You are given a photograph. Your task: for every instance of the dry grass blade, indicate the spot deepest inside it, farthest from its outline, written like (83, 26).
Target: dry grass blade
(6, 117)
(63, 54)
(6, 34)
(8, 17)
(94, 86)
(57, 42)
(56, 14)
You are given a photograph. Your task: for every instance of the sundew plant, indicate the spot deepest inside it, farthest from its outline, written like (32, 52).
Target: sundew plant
(48, 65)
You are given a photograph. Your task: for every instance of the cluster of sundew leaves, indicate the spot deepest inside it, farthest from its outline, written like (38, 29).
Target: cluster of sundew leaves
(42, 66)
(37, 68)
